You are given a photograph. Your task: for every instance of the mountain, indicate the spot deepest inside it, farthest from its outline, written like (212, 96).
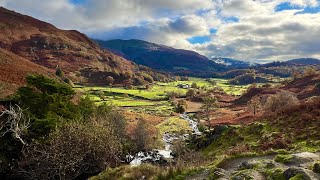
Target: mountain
(231, 63)
(81, 59)
(304, 61)
(162, 57)
(14, 69)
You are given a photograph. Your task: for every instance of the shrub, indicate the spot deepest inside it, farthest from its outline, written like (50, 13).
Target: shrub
(145, 170)
(191, 93)
(59, 72)
(141, 136)
(194, 85)
(74, 150)
(281, 101)
(181, 106)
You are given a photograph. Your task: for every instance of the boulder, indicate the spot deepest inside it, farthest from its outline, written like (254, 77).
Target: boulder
(243, 175)
(292, 172)
(246, 165)
(218, 173)
(316, 167)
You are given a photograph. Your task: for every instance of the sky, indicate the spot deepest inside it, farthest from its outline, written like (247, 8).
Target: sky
(249, 30)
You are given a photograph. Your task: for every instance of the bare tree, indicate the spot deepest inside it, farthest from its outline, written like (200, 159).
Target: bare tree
(280, 101)
(254, 104)
(16, 123)
(210, 103)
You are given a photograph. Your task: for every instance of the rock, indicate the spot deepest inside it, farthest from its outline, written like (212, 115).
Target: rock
(316, 168)
(270, 165)
(218, 173)
(304, 157)
(219, 129)
(292, 172)
(243, 175)
(246, 165)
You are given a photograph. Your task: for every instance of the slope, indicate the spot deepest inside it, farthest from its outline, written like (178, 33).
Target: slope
(79, 57)
(163, 57)
(14, 69)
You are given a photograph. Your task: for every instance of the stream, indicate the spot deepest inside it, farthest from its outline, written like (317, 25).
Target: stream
(159, 155)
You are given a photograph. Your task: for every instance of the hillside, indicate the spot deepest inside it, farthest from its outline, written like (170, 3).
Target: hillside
(163, 57)
(304, 61)
(14, 69)
(81, 59)
(231, 63)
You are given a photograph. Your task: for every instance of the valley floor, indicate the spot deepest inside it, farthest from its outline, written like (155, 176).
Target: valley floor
(237, 151)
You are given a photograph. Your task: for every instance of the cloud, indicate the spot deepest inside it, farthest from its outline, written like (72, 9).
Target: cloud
(241, 29)
(277, 36)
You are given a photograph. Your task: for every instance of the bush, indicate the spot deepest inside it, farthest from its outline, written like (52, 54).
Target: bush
(281, 101)
(74, 150)
(181, 106)
(191, 93)
(145, 170)
(141, 136)
(194, 85)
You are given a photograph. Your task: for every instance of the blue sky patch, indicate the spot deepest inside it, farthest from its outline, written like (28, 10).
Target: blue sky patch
(77, 1)
(199, 39)
(231, 19)
(286, 6)
(310, 10)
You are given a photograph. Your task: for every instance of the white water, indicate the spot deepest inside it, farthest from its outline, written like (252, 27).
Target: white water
(168, 139)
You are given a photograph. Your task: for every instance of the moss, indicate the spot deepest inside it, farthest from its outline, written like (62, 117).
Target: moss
(274, 174)
(298, 177)
(283, 158)
(282, 151)
(244, 174)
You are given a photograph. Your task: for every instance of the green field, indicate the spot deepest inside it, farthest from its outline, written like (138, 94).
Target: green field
(153, 100)
(203, 83)
(174, 125)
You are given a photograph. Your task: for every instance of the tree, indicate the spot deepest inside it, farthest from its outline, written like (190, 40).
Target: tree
(148, 86)
(16, 124)
(309, 71)
(210, 103)
(127, 75)
(184, 78)
(141, 135)
(194, 85)
(86, 107)
(212, 82)
(281, 101)
(191, 93)
(59, 72)
(182, 106)
(254, 104)
(46, 101)
(109, 80)
(296, 74)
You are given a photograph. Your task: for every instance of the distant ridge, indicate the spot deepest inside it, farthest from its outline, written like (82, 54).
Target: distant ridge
(305, 61)
(162, 57)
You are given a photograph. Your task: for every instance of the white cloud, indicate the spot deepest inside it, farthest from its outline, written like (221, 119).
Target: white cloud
(259, 33)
